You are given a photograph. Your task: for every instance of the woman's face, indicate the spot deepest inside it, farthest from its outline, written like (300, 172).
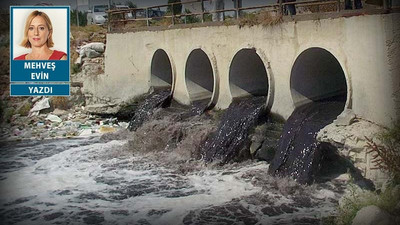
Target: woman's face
(38, 32)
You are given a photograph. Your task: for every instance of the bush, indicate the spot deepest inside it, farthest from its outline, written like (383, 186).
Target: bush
(191, 18)
(175, 9)
(264, 18)
(387, 158)
(81, 17)
(387, 155)
(358, 199)
(75, 68)
(24, 108)
(7, 114)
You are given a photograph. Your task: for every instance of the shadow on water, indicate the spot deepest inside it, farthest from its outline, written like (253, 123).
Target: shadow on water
(160, 98)
(298, 153)
(231, 137)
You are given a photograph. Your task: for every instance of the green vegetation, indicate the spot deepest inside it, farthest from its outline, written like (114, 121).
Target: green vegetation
(387, 158)
(387, 155)
(176, 9)
(130, 4)
(191, 18)
(357, 199)
(159, 22)
(263, 17)
(24, 108)
(81, 15)
(75, 68)
(7, 114)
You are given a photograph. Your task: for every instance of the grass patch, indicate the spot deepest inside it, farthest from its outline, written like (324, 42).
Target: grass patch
(263, 17)
(321, 8)
(90, 33)
(357, 199)
(75, 68)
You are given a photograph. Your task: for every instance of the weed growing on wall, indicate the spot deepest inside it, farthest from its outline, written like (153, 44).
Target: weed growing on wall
(263, 17)
(387, 154)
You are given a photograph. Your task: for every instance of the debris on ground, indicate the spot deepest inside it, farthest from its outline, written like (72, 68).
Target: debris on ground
(46, 122)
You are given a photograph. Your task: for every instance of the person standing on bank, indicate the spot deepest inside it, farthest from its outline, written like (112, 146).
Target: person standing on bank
(291, 9)
(218, 5)
(38, 36)
(237, 4)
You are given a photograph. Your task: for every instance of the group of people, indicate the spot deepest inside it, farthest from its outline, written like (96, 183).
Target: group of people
(220, 5)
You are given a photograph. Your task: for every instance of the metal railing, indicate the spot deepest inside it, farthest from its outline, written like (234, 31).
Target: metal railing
(121, 16)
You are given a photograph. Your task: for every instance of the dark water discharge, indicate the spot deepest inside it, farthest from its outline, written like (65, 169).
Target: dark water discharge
(298, 153)
(157, 99)
(232, 133)
(157, 180)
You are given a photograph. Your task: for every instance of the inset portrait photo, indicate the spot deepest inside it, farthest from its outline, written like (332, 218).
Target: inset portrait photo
(39, 50)
(39, 33)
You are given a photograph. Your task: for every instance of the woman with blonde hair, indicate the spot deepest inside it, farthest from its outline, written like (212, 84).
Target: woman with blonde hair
(38, 36)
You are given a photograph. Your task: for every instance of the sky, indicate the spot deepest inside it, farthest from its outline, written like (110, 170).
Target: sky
(139, 3)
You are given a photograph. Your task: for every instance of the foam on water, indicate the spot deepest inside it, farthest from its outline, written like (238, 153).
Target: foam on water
(104, 178)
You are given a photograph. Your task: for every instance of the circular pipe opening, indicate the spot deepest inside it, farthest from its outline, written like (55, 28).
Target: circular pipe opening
(247, 75)
(161, 70)
(317, 76)
(199, 76)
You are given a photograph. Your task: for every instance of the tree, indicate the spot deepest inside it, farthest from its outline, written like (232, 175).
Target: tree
(82, 18)
(176, 8)
(130, 4)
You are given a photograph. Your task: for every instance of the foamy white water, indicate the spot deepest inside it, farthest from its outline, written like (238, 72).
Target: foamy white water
(88, 182)
(104, 179)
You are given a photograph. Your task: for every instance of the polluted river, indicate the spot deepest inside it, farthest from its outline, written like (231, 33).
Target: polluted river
(177, 164)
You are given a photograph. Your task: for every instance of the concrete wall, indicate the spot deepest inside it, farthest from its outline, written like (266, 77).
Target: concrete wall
(364, 46)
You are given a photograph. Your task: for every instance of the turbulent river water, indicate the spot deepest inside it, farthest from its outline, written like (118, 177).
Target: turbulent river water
(89, 181)
(154, 175)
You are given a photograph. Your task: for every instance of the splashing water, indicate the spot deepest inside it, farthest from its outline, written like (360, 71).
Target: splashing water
(156, 180)
(298, 153)
(157, 99)
(81, 182)
(232, 133)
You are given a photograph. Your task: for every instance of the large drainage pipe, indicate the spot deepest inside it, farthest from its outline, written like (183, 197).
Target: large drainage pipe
(199, 77)
(317, 75)
(161, 70)
(247, 75)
